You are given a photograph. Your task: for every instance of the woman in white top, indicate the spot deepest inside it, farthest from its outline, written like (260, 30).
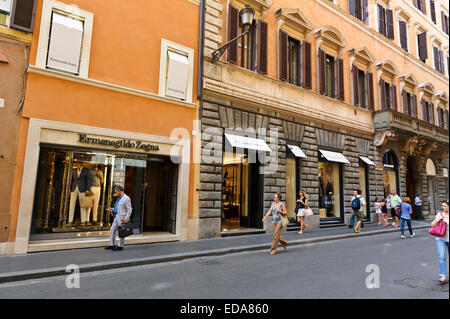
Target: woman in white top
(377, 206)
(442, 243)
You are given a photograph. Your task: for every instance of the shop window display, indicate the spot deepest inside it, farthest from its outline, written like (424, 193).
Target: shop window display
(75, 188)
(329, 190)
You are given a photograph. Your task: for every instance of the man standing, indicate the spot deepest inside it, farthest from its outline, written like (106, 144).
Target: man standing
(122, 210)
(418, 204)
(395, 201)
(358, 206)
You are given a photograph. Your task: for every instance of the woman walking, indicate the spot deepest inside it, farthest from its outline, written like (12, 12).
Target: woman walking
(377, 206)
(276, 210)
(442, 243)
(405, 217)
(302, 204)
(387, 209)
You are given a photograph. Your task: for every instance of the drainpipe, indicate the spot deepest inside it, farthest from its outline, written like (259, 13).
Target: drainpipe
(201, 40)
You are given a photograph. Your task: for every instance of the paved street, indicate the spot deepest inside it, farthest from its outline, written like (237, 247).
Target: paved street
(333, 269)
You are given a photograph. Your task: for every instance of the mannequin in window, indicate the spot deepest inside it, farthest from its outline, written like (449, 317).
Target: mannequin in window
(321, 188)
(96, 181)
(80, 186)
(329, 191)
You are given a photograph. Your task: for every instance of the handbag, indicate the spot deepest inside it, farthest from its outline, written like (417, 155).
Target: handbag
(308, 212)
(86, 201)
(439, 230)
(125, 230)
(284, 221)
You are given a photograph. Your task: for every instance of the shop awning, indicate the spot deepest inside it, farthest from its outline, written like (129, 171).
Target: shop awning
(367, 160)
(297, 151)
(334, 157)
(247, 142)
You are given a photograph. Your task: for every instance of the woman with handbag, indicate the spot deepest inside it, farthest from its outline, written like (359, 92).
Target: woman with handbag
(277, 210)
(442, 242)
(302, 204)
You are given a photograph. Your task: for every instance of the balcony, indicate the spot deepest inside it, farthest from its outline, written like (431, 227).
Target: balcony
(389, 122)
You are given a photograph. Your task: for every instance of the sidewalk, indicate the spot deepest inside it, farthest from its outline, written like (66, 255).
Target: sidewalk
(47, 264)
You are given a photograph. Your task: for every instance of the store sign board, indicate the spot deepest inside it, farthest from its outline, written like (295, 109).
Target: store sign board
(122, 143)
(65, 43)
(334, 157)
(297, 151)
(244, 142)
(367, 160)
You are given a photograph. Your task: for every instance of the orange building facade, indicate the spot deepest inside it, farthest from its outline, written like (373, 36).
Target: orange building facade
(112, 92)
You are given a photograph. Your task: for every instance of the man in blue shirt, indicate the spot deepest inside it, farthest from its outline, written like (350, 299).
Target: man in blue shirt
(418, 206)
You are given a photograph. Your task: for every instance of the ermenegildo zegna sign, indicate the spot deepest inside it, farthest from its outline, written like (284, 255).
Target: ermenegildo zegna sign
(126, 143)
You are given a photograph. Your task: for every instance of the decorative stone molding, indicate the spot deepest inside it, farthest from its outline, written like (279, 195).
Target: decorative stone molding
(363, 59)
(409, 81)
(388, 70)
(293, 131)
(294, 19)
(402, 14)
(330, 139)
(330, 40)
(381, 138)
(427, 89)
(362, 146)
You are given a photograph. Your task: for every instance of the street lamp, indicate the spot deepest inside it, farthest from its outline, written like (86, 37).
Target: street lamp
(246, 15)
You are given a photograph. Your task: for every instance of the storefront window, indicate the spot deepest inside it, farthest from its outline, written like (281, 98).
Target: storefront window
(390, 180)
(364, 187)
(291, 188)
(74, 189)
(329, 191)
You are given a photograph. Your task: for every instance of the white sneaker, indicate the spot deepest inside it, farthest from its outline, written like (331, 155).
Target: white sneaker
(403, 237)
(413, 234)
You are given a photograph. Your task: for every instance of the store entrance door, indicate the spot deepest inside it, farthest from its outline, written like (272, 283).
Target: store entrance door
(161, 196)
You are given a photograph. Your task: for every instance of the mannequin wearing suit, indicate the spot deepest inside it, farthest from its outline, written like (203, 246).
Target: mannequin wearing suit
(96, 180)
(79, 185)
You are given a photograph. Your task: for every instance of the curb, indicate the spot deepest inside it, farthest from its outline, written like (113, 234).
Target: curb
(61, 271)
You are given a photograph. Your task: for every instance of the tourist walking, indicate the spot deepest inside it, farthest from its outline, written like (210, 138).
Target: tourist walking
(302, 204)
(386, 209)
(276, 210)
(358, 205)
(442, 243)
(394, 200)
(405, 217)
(418, 206)
(378, 209)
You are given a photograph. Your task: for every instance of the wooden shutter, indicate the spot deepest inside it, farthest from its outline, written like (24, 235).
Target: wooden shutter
(381, 20)
(365, 11)
(436, 59)
(371, 96)
(355, 85)
(307, 82)
(446, 119)
(394, 97)
(423, 8)
(353, 8)
(283, 55)
(433, 11)
(23, 14)
(414, 106)
(443, 21)
(441, 61)
(341, 79)
(233, 25)
(403, 35)
(431, 113)
(382, 95)
(424, 110)
(262, 47)
(322, 72)
(389, 24)
(405, 107)
(422, 40)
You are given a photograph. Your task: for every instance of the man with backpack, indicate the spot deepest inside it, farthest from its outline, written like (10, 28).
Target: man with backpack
(358, 206)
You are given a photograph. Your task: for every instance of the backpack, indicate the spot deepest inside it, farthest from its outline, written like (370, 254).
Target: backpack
(356, 204)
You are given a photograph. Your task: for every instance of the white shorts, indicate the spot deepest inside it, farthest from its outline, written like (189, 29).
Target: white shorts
(300, 212)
